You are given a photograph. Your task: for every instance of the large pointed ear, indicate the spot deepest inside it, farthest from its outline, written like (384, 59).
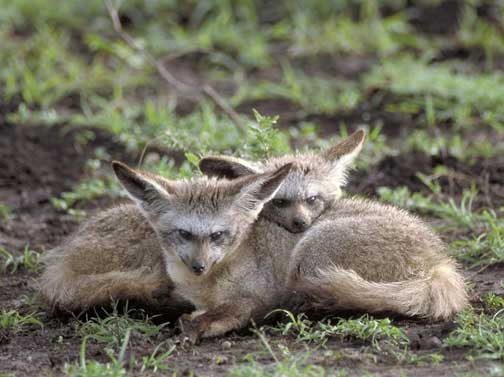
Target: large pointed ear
(255, 191)
(227, 167)
(342, 155)
(151, 193)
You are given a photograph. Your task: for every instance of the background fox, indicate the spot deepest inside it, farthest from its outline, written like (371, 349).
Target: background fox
(114, 255)
(311, 187)
(117, 255)
(358, 255)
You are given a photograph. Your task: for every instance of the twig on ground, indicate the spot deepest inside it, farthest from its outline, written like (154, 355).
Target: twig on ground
(182, 88)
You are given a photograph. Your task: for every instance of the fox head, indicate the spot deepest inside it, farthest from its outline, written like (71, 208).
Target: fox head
(200, 222)
(312, 185)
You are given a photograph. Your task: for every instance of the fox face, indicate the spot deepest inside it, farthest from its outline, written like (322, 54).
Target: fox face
(313, 184)
(200, 222)
(301, 200)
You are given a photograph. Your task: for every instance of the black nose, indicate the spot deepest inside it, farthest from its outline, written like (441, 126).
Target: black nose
(198, 267)
(299, 223)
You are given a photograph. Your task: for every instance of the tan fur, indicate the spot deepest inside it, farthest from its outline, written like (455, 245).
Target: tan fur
(114, 255)
(95, 265)
(358, 255)
(314, 183)
(380, 259)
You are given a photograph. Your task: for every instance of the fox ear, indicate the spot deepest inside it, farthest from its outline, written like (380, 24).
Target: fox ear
(256, 190)
(226, 167)
(150, 192)
(341, 155)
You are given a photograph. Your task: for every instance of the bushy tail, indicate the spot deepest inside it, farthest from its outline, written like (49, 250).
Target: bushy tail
(439, 295)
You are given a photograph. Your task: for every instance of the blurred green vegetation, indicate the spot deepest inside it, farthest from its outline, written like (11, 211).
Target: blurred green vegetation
(420, 77)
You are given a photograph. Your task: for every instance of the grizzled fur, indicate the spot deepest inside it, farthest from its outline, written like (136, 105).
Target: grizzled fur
(114, 255)
(313, 184)
(358, 255)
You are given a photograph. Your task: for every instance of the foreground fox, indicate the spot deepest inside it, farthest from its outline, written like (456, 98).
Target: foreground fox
(234, 266)
(116, 255)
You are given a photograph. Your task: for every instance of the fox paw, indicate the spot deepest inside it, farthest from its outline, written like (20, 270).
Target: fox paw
(191, 330)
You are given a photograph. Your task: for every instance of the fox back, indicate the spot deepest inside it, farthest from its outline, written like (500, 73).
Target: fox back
(113, 255)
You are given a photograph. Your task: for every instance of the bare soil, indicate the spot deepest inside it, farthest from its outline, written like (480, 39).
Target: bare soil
(37, 163)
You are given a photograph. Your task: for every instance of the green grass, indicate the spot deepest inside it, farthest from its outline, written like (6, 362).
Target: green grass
(455, 214)
(118, 365)
(5, 212)
(290, 367)
(64, 66)
(111, 329)
(365, 329)
(482, 333)
(485, 244)
(13, 321)
(91, 368)
(28, 260)
(487, 247)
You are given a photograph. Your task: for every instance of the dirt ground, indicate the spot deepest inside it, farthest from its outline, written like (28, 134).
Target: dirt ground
(37, 163)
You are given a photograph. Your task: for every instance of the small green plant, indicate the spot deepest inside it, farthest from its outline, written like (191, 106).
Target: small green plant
(493, 302)
(263, 139)
(5, 212)
(285, 364)
(12, 320)
(456, 215)
(155, 361)
(368, 329)
(364, 329)
(288, 367)
(92, 368)
(483, 334)
(112, 328)
(86, 191)
(487, 247)
(29, 260)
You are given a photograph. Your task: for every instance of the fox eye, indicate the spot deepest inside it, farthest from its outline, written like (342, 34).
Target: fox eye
(185, 234)
(312, 199)
(280, 203)
(216, 236)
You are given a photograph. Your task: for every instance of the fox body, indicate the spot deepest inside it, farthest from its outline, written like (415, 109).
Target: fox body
(312, 186)
(233, 268)
(117, 254)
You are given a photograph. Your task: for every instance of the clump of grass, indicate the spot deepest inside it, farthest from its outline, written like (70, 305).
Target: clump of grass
(86, 191)
(484, 249)
(456, 145)
(314, 95)
(112, 327)
(92, 368)
(29, 260)
(156, 360)
(5, 212)
(456, 97)
(263, 139)
(493, 302)
(285, 363)
(365, 328)
(487, 247)
(288, 367)
(13, 321)
(455, 214)
(116, 367)
(483, 334)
